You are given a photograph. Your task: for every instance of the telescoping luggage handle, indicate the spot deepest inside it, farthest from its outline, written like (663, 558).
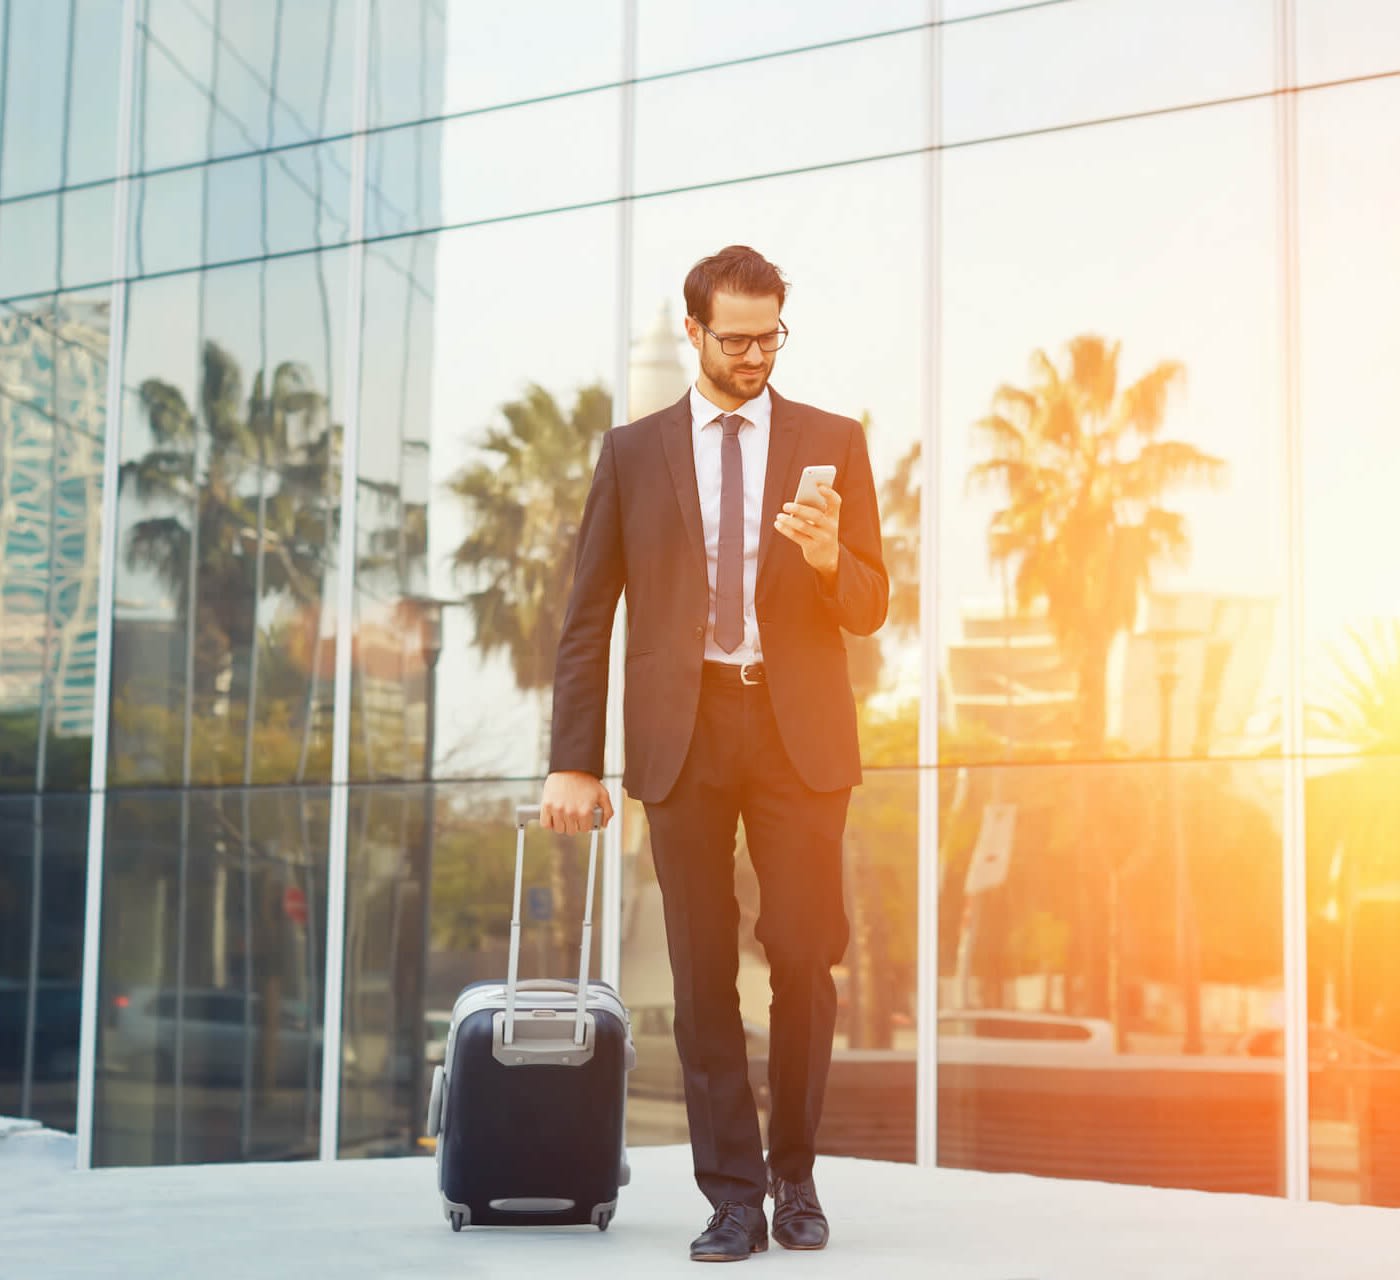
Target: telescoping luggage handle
(524, 815)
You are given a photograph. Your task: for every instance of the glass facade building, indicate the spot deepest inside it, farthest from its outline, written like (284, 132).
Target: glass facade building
(312, 316)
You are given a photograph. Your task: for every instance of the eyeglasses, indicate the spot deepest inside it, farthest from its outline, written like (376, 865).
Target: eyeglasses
(738, 344)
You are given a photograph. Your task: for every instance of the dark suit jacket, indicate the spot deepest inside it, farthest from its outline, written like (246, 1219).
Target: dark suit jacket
(641, 532)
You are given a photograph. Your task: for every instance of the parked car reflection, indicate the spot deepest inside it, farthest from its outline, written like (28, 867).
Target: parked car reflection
(222, 1033)
(658, 1070)
(57, 1008)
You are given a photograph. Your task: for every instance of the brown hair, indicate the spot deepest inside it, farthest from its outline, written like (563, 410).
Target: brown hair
(736, 269)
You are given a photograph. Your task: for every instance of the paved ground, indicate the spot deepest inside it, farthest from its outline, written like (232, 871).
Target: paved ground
(380, 1219)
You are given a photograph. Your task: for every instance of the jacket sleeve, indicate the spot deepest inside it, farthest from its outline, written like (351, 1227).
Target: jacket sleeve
(579, 721)
(860, 596)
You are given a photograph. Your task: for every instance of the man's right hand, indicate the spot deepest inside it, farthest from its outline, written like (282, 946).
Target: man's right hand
(568, 801)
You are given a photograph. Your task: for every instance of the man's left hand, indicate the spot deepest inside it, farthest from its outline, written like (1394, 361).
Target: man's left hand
(814, 530)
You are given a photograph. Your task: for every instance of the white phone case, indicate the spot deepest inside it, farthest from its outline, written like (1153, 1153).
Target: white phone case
(813, 475)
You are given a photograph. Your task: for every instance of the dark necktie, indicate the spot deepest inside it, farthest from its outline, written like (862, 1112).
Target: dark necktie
(729, 570)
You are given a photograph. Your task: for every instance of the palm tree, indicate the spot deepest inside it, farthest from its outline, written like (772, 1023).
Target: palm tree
(523, 502)
(1084, 468)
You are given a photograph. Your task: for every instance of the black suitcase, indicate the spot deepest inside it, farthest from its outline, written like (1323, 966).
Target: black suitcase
(528, 1105)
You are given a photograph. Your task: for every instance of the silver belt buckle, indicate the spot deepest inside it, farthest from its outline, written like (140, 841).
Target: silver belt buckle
(744, 674)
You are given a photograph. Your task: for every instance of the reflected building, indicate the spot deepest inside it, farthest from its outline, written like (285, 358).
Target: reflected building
(1190, 679)
(53, 388)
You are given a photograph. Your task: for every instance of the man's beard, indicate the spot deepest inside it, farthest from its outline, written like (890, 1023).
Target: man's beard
(731, 386)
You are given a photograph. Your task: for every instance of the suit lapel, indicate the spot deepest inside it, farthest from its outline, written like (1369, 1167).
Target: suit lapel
(782, 440)
(680, 460)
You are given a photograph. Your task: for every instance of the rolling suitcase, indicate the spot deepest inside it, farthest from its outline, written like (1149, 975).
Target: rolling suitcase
(527, 1107)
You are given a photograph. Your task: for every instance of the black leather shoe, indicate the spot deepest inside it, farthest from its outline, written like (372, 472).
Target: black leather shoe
(798, 1220)
(733, 1232)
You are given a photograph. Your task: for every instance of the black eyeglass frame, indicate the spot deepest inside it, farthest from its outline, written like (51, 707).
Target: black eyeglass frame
(748, 339)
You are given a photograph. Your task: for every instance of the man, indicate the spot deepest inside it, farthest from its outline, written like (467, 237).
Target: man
(737, 703)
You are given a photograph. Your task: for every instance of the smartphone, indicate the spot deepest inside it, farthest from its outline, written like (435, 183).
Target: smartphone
(812, 476)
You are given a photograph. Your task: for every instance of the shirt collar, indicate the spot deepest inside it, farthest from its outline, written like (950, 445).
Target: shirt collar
(703, 411)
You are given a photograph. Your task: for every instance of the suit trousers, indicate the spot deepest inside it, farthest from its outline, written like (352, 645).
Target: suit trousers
(737, 767)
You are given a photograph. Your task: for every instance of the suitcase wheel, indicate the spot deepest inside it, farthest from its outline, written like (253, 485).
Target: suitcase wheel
(456, 1219)
(603, 1221)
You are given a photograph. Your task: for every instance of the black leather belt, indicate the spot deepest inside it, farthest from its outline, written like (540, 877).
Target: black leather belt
(736, 673)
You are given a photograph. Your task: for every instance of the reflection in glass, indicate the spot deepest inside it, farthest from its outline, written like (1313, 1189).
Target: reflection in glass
(211, 972)
(225, 79)
(43, 863)
(1110, 576)
(240, 209)
(480, 423)
(409, 954)
(53, 383)
(1351, 639)
(671, 37)
(996, 79)
(820, 223)
(1353, 828)
(1084, 471)
(221, 650)
(702, 128)
(1100, 975)
(870, 1096)
(571, 147)
(29, 256)
(428, 56)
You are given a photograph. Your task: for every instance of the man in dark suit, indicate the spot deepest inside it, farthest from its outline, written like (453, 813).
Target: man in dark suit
(737, 703)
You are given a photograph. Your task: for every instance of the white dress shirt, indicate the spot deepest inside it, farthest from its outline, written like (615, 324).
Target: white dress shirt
(705, 435)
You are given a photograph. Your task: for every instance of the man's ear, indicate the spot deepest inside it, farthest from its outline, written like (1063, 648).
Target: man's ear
(692, 331)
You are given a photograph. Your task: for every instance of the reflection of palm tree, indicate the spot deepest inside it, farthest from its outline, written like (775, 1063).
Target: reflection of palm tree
(250, 543)
(1353, 829)
(523, 504)
(1362, 706)
(1084, 469)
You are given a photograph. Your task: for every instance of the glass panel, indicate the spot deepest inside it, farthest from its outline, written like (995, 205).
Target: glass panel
(428, 56)
(96, 89)
(405, 164)
(1110, 59)
(816, 227)
(1338, 38)
(29, 246)
(463, 367)
(670, 36)
(270, 204)
(211, 978)
(35, 83)
(86, 228)
(43, 866)
(1102, 997)
(230, 425)
(1139, 614)
(736, 123)
(843, 285)
(1351, 267)
(51, 459)
(408, 956)
(283, 72)
(174, 84)
(870, 1095)
(215, 80)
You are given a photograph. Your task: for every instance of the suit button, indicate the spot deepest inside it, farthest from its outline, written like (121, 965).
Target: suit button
(699, 633)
